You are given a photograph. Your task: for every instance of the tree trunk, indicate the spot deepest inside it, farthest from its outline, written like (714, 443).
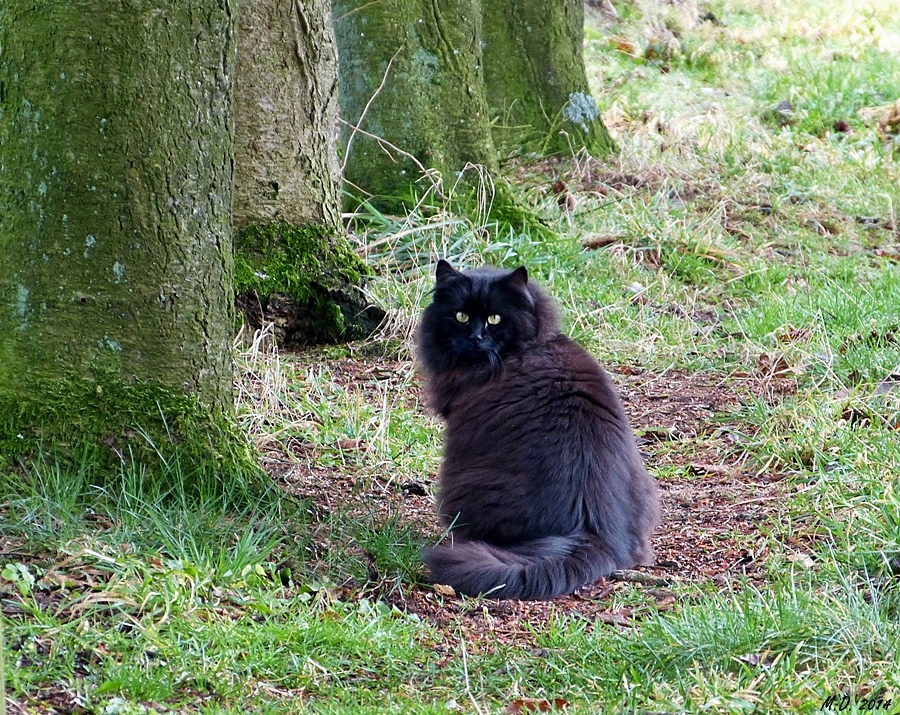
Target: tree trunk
(417, 65)
(115, 199)
(294, 266)
(535, 78)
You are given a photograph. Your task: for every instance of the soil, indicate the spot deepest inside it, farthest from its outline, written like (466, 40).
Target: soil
(717, 502)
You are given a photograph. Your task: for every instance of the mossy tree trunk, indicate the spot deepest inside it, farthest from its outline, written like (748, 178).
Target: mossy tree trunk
(535, 78)
(116, 259)
(431, 105)
(294, 266)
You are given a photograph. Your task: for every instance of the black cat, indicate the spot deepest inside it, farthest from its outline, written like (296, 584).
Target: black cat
(541, 483)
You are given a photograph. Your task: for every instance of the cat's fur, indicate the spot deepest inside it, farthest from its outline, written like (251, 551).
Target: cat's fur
(541, 481)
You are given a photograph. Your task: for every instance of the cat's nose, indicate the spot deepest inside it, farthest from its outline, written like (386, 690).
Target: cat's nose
(476, 337)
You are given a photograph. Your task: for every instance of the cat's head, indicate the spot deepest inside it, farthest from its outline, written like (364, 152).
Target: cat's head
(480, 317)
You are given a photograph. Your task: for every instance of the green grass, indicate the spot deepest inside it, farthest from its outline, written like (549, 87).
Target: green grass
(746, 242)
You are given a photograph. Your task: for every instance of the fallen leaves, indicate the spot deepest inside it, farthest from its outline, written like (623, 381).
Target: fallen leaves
(625, 46)
(621, 618)
(641, 577)
(891, 253)
(777, 365)
(533, 705)
(596, 241)
(886, 119)
(351, 445)
(702, 468)
(805, 560)
(867, 403)
(887, 384)
(659, 434)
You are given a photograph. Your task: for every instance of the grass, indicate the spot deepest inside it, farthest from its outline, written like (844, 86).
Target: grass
(746, 244)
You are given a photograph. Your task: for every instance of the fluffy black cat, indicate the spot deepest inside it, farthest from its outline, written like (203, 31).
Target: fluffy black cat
(541, 483)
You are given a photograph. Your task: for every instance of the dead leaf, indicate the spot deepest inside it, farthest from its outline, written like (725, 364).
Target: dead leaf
(352, 445)
(843, 394)
(777, 365)
(567, 202)
(803, 559)
(790, 334)
(735, 231)
(621, 618)
(632, 576)
(53, 580)
(659, 434)
(592, 243)
(701, 468)
(886, 118)
(444, 589)
(623, 45)
(665, 603)
(532, 705)
(594, 592)
(887, 384)
(892, 253)
(670, 564)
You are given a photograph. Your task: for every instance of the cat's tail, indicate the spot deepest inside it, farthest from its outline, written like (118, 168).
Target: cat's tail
(543, 568)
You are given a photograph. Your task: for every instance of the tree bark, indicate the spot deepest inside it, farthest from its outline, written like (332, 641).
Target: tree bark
(411, 75)
(286, 165)
(535, 78)
(294, 266)
(115, 198)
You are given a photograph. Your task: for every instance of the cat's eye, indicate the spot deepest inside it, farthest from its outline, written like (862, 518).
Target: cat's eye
(462, 317)
(494, 319)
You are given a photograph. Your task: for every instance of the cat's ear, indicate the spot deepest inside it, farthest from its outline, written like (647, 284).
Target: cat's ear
(518, 278)
(445, 272)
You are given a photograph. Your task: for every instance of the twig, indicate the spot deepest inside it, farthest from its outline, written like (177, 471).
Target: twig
(462, 645)
(632, 576)
(769, 497)
(356, 9)
(360, 190)
(366, 109)
(2, 675)
(386, 143)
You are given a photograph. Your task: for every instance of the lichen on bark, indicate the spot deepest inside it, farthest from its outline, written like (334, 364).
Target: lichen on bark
(115, 235)
(431, 105)
(416, 119)
(535, 79)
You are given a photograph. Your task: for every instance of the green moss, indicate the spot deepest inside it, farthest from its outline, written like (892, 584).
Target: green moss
(433, 106)
(112, 422)
(312, 264)
(540, 101)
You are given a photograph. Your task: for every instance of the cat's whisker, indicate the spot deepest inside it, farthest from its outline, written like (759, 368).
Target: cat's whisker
(495, 361)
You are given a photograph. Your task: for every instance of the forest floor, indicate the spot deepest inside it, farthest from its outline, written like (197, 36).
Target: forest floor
(716, 508)
(735, 268)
